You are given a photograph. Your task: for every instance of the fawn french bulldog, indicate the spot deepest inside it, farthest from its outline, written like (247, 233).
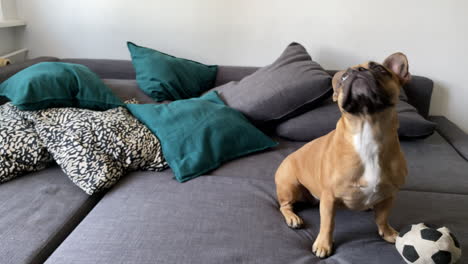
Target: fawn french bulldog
(359, 165)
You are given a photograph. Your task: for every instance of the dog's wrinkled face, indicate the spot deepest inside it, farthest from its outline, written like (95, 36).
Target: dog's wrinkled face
(371, 87)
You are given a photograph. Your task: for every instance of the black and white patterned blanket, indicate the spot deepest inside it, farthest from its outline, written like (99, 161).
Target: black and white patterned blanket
(94, 148)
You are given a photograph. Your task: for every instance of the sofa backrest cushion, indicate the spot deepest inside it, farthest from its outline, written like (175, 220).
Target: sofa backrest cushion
(418, 90)
(127, 90)
(107, 69)
(322, 120)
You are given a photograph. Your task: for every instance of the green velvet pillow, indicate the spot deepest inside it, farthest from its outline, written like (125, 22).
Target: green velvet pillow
(165, 77)
(199, 134)
(58, 84)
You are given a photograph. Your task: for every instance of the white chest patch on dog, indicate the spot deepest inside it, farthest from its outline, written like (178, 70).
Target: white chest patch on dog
(368, 149)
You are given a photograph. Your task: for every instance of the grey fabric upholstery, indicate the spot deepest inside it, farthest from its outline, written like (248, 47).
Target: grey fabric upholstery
(419, 92)
(107, 69)
(453, 134)
(207, 220)
(435, 166)
(432, 163)
(231, 215)
(412, 124)
(230, 221)
(312, 124)
(232, 73)
(37, 212)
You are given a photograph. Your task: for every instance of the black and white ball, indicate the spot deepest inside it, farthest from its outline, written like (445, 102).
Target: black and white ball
(419, 244)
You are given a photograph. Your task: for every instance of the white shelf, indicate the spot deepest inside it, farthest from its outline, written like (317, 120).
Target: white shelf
(16, 56)
(12, 23)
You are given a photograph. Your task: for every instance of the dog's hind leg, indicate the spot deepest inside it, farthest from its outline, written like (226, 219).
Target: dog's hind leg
(289, 191)
(382, 211)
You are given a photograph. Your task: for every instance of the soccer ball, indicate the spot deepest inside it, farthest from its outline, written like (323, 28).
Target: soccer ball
(419, 244)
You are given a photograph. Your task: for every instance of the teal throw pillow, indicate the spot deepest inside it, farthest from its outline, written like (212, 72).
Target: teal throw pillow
(199, 134)
(58, 84)
(165, 77)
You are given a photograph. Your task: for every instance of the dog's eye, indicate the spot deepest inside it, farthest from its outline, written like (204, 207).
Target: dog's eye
(344, 76)
(382, 70)
(378, 68)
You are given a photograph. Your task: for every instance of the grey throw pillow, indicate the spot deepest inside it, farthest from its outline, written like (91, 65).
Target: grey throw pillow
(311, 125)
(290, 85)
(323, 119)
(412, 124)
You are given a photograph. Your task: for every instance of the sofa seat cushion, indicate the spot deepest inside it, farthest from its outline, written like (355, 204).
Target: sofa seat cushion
(149, 218)
(37, 211)
(434, 165)
(232, 216)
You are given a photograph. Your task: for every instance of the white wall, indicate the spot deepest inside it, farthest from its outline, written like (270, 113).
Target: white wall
(8, 42)
(337, 33)
(8, 36)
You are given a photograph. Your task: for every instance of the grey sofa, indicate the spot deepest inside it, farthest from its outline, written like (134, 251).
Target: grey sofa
(229, 215)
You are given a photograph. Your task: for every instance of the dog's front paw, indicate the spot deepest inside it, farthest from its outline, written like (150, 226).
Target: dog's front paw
(388, 233)
(322, 247)
(293, 220)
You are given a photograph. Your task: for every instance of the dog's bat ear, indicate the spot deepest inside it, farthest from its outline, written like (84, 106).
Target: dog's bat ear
(398, 63)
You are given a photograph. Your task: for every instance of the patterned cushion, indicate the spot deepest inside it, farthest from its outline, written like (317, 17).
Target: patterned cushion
(21, 150)
(96, 148)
